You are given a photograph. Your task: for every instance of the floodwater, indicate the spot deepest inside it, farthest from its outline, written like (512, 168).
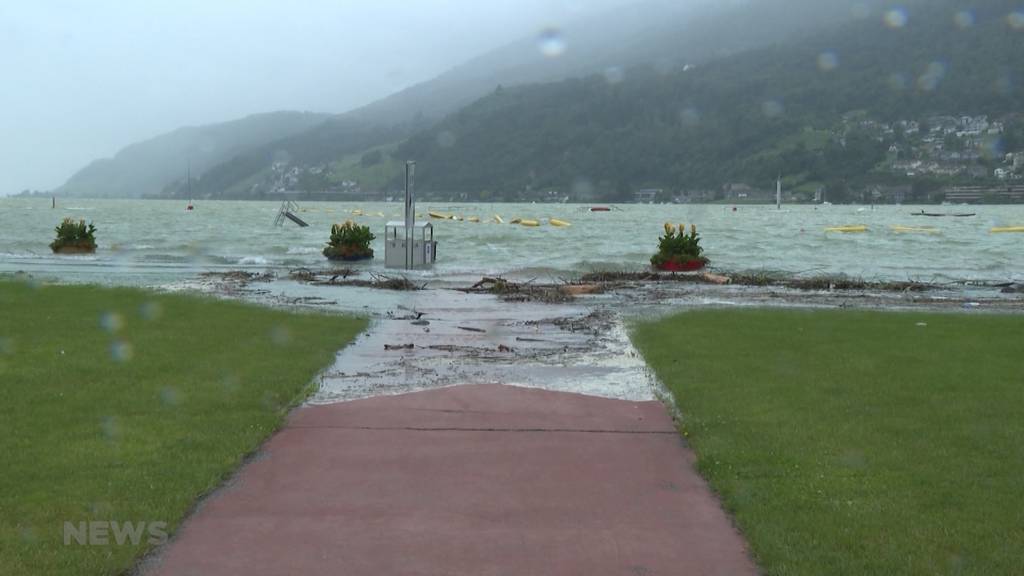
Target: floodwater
(156, 243)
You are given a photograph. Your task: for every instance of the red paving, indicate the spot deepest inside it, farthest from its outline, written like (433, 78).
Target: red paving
(475, 480)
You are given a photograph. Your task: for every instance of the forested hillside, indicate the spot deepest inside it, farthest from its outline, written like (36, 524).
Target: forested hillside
(147, 167)
(745, 118)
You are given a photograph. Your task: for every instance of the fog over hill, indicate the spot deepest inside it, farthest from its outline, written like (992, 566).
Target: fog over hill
(84, 80)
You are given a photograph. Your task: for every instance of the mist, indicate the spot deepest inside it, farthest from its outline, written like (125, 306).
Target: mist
(83, 80)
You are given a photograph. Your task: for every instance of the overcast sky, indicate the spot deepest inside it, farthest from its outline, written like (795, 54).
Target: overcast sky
(82, 79)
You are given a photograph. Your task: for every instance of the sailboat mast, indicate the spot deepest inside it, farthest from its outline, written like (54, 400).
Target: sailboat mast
(189, 181)
(778, 193)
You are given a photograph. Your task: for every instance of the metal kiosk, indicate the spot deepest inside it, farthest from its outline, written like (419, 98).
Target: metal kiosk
(424, 248)
(409, 245)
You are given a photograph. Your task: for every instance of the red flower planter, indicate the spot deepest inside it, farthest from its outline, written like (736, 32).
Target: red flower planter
(691, 266)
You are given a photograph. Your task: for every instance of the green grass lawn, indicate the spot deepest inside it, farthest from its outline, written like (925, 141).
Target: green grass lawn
(124, 405)
(856, 442)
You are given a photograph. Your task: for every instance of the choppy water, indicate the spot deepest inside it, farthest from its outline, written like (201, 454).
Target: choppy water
(157, 242)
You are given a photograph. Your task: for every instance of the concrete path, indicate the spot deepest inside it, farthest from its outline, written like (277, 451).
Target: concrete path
(475, 480)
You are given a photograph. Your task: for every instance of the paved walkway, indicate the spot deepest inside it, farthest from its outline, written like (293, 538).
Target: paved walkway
(475, 480)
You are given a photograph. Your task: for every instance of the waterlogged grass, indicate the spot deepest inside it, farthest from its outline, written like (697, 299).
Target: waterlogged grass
(855, 442)
(127, 406)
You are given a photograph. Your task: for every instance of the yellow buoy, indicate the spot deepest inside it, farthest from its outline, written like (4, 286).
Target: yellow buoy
(847, 229)
(438, 216)
(915, 230)
(530, 223)
(1008, 230)
(473, 219)
(498, 219)
(559, 223)
(357, 212)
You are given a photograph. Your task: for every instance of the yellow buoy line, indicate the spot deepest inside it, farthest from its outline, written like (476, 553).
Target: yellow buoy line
(559, 223)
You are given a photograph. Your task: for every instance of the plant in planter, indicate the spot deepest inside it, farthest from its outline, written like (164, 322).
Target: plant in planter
(74, 238)
(679, 251)
(349, 242)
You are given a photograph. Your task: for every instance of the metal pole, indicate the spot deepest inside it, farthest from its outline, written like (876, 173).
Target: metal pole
(410, 214)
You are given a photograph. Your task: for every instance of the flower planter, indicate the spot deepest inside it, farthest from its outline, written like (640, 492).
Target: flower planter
(73, 249)
(348, 253)
(690, 266)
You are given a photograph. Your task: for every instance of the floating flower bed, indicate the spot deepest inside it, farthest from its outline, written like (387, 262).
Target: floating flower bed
(679, 251)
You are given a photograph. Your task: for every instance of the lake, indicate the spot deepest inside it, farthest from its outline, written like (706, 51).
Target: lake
(153, 243)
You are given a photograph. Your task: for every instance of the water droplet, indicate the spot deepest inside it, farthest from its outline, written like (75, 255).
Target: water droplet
(1016, 20)
(689, 116)
(992, 147)
(280, 336)
(551, 42)
(230, 383)
(828, 61)
(896, 18)
(110, 428)
(446, 139)
(964, 19)
(111, 322)
(932, 76)
(898, 82)
(582, 187)
(28, 534)
(1003, 85)
(170, 397)
(151, 311)
(121, 352)
(860, 11)
(772, 108)
(614, 75)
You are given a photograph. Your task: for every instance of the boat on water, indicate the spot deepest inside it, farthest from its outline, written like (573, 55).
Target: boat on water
(600, 209)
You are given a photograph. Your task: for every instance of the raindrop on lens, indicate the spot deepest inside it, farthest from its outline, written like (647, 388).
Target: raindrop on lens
(28, 535)
(551, 43)
(964, 19)
(689, 116)
(1003, 85)
(446, 139)
(151, 311)
(895, 18)
(614, 75)
(860, 11)
(121, 351)
(1016, 20)
(932, 76)
(898, 82)
(110, 428)
(828, 61)
(170, 397)
(111, 322)
(280, 336)
(582, 187)
(772, 108)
